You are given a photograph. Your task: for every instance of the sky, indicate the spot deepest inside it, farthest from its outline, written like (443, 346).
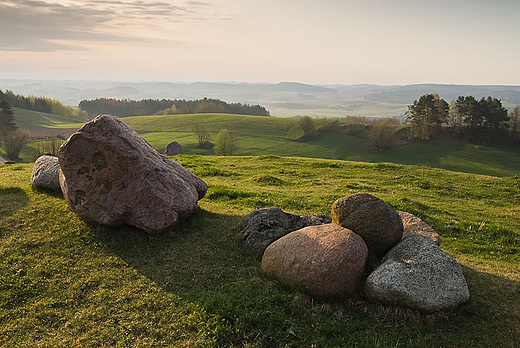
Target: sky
(383, 42)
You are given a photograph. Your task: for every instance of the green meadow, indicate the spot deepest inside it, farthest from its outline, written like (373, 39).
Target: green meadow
(64, 283)
(278, 136)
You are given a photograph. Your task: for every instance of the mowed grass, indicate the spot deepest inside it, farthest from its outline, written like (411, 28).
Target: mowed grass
(67, 284)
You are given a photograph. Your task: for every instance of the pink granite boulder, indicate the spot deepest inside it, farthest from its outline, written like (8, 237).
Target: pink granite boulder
(326, 260)
(111, 176)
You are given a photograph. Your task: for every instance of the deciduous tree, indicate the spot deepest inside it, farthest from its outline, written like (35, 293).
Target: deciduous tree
(307, 124)
(226, 143)
(203, 134)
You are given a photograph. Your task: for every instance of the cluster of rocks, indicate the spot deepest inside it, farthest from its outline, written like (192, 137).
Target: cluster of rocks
(328, 259)
(109, 175)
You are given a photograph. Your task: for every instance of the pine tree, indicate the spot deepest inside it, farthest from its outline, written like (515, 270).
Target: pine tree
(7, 122)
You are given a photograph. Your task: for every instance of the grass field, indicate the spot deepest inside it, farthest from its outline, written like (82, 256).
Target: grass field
(357, 108)
(266, 135)
(32, 118)
(67, 284)
(276, 136)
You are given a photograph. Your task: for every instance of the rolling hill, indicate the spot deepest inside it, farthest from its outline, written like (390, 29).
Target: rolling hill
(278, 136)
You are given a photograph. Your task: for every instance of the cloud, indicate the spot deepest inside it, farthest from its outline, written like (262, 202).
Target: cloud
(39, 25)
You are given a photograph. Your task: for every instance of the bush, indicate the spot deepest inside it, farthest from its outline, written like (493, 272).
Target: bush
(381, 135)
(226, 143)
(14, 141)
(306, 123)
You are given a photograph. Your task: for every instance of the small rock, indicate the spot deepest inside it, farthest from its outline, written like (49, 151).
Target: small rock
(263, 226)
(326, 260)
(46, 173)
(372, 218)
(413, 225)
(173, 148)
(112, 176)
(417, 274)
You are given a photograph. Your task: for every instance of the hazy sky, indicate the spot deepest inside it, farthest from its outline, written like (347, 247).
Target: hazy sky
(310, 41)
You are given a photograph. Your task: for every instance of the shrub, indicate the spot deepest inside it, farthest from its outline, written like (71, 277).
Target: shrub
(306, 123)
(14, 141)
(226, 143)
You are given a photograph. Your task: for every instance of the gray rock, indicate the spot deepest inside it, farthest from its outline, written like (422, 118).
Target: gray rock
(46, 173)
(372, 218)
(417, 274)
(413, 225)
(263, 226)
(112, 176)
(173, 148)
(326, 260)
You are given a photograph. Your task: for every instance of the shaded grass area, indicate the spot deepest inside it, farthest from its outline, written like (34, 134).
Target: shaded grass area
(67, 284)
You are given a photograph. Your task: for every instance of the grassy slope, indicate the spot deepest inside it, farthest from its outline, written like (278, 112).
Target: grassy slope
(267, 135)
(66, 284)
(26, 117)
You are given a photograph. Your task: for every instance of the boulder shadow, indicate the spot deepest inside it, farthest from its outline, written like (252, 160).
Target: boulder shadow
(12, 199)
(197, 256)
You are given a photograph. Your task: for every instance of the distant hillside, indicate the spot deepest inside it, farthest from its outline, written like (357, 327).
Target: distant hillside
(284, 99)
(407, 94)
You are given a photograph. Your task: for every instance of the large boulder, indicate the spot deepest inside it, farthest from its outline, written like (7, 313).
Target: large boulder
(414, 225)
(263, 226)
(417, 274)
(326, 260)
(372, 218)
(173, 148)
(111, 176)
(46, 173)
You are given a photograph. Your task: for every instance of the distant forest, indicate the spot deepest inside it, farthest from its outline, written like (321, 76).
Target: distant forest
(128, 107)
(42, 104)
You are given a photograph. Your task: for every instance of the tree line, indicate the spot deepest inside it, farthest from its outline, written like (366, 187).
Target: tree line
(41, 104)
(129, 107)
(484, 121)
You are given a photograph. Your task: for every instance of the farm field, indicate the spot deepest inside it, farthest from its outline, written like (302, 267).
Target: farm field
(200, 286)
(353, 108)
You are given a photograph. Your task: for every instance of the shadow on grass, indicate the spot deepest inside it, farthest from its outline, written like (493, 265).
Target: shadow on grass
(11, 200)
(198, 255)
(203, 260)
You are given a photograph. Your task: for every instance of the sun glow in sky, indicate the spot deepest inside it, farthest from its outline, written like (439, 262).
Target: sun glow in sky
(320, 42)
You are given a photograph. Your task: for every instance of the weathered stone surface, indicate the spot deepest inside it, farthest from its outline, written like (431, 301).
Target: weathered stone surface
(46, 173)
(372, 218)
(413, 225)
(173, 148)
(417, 274)
(111, 176)
(326, 260)
(263, 226)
